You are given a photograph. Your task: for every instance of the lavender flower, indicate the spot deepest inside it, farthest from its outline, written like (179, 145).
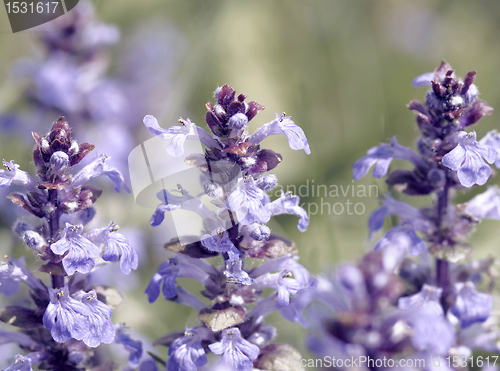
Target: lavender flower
(69, 318)
(387, 305)
(235, 177)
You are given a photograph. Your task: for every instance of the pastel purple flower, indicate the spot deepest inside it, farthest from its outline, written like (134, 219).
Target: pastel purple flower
(381, 157)
(467, 160)
(283, 282)
(133, 347)
(282, 125)
(171, 202)
(492, 139)
(95, 169)
(219, 242)
(485, 205)
(471, 306)
(179, 134)
(236, 352)
(100, 327)
(186, 352)
(168, 271)
(289, 204)
(117, 247)
(65, 317)
(81, 253)
(405, 237)
(422, 80)
(428, 296)
(14, 271)
(234, 272)
(248, 202)
(21, 364)
(10, 174)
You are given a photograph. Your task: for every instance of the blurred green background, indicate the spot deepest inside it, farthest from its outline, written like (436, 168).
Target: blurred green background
(341, 68)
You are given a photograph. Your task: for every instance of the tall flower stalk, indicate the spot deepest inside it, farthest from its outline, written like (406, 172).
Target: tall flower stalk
(67, 317)
(414, 297)
(235, 172)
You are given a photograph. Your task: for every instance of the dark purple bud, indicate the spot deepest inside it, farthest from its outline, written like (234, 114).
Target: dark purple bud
(253, 109)
(408, 182)
(437, 88)
(213, 123)
(448, 78)
(266, 161)
(242, 97)
(83, 150)
(240, 149)
(19, 199)
(468, 81)
(226, 96)
(440, 72)
(194, 250)
(21, 317)
(236, 107)
(437, 178)
(475, 113)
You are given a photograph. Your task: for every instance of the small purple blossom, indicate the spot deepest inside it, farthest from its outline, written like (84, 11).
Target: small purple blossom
(471, 306)
(282, 125)
(429, 296)
(236, 352)
(467, 160)
(81, 252)
(179, 134)
(492, 139)
(186, 352)
(65, 317)
(289, 204)
(248, 202)
(10, 174)
(100, 328)
(117, 247)
(133, 347)
(382, 156)
(168, 271)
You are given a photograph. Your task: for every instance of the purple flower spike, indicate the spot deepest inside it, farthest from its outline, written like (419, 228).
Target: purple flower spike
(471, 306)
(116, 243)
(179, 134)
(186, 352)
(81, 252)
(283, 125)
(101, 329)
(381, 156)
(247, 201)
(236, 352)
(467, 159)
(66, 317)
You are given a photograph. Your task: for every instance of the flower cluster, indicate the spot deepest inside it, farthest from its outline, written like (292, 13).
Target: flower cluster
(415, 296)
(70, 317)
(235, 176)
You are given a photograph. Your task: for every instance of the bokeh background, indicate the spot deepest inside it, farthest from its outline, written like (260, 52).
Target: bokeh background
(341, 68)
